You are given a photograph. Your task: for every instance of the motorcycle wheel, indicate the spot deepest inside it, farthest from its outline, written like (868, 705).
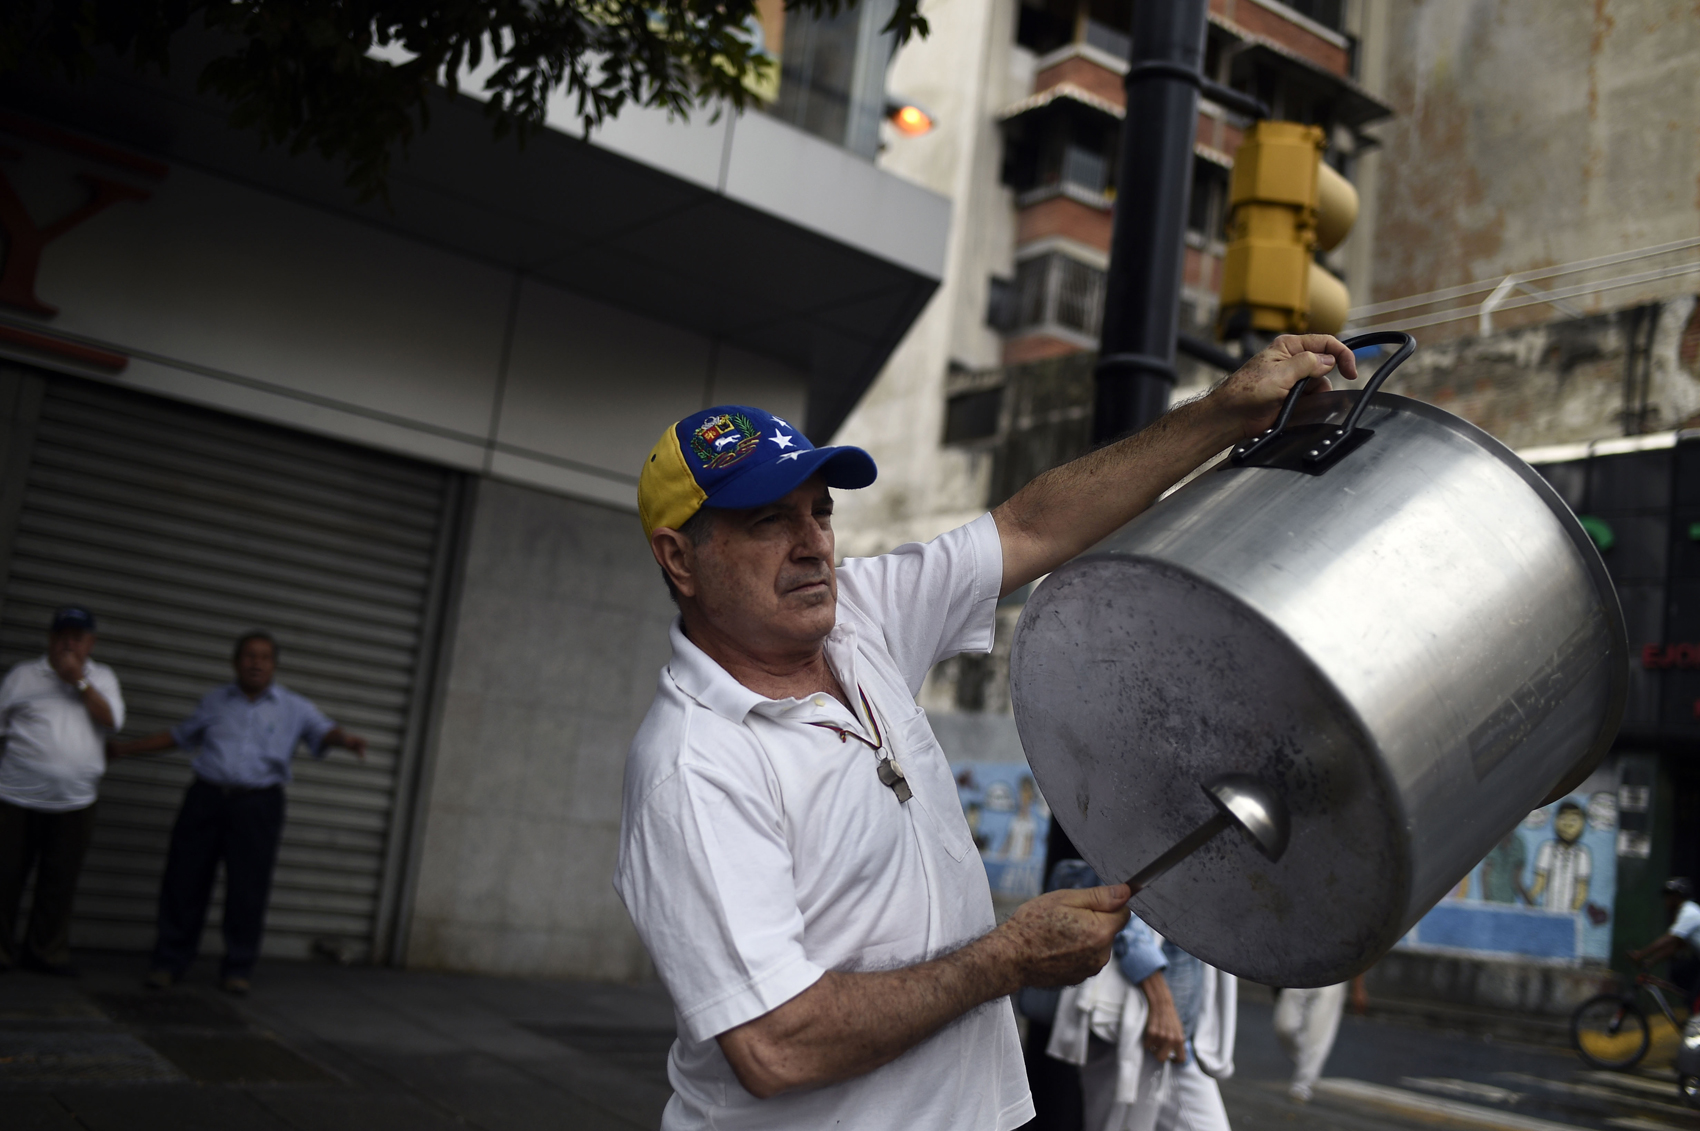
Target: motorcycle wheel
(1610, 1032)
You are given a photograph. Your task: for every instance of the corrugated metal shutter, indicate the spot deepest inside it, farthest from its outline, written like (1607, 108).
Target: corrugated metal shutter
(182, 528)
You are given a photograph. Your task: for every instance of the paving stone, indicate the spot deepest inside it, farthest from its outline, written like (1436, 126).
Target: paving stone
(169, 1109)
(59, 1057)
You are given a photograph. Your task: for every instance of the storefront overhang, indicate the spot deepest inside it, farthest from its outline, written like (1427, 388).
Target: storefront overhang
(745, 230)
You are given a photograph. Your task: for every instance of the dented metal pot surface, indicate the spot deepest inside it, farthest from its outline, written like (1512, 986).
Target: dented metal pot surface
(1413, 643)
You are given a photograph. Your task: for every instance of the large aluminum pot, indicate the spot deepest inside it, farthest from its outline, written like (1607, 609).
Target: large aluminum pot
(1392, 622)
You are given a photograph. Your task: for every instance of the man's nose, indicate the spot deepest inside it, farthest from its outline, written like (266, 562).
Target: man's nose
(811, 540)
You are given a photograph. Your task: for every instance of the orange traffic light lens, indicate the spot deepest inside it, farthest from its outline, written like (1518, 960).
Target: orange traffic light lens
(912, 120)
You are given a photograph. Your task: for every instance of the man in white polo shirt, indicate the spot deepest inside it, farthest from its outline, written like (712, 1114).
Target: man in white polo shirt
(56, 712)
(792, 850)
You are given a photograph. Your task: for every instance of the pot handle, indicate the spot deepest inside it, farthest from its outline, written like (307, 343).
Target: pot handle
(1341, 436)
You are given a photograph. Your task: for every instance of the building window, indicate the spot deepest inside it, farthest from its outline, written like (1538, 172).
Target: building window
(1056, 290)
(972, 416)
(1207, 212)
(1330, 14)
(1084, 169)
(1000, 304)
(1080, 295)
(832, 74)
(1065, 145)
(1107, 25)
(1045, 25)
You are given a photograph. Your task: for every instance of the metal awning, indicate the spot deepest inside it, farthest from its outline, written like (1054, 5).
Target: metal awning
(827, 277)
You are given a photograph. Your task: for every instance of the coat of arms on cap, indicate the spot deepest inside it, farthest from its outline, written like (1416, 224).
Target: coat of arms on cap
(721, 441)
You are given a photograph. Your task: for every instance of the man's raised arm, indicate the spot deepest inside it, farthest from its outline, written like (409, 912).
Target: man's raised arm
(846, 1025)
(1072, 507)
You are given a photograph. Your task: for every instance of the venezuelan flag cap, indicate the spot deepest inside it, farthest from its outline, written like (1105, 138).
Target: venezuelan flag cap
(734, 457)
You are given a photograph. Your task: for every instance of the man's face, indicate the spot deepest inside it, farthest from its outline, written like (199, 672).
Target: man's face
(255, 665)
(75, 643)
(765, 578)
(1568, 826)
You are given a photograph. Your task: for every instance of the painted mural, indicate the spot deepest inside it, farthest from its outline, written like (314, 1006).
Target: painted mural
(1009, 822)
(1545, 891)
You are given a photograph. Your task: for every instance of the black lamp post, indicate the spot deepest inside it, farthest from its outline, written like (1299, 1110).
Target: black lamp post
(1136, 357)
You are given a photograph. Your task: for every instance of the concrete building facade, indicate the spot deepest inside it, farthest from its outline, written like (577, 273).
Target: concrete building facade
(406, 438)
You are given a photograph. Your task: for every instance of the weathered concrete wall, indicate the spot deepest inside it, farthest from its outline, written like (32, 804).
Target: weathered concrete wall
(1530, 134)
(560, 632)
(1563, 381)
(964, 72)
(1520, 987)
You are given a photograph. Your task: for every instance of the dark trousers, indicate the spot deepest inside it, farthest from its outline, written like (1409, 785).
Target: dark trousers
(54, 844)
(241, 828)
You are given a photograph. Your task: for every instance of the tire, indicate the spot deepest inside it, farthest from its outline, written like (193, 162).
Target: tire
(1610, 1032)
(1689, 1087)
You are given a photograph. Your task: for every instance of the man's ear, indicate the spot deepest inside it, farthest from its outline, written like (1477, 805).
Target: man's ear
(677, 557)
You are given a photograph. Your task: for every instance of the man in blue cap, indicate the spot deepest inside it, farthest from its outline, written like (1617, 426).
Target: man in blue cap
(56, 712)
(792, 850)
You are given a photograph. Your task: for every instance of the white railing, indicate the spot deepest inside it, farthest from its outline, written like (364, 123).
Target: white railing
(1519, 290)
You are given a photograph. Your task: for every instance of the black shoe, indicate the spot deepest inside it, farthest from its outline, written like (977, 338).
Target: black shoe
(28, 961)
(235, 986)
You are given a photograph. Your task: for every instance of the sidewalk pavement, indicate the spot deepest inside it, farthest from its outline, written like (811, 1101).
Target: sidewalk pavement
(326, 1048)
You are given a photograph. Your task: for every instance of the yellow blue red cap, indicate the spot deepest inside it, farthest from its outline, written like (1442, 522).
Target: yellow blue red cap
(735, 457)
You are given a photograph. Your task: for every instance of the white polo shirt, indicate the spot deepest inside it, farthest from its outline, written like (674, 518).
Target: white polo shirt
(54, 751)
(758, 851)
(1686, 925)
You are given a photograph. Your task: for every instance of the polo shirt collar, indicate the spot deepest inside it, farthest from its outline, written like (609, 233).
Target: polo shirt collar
(704, 680)
(235, 691)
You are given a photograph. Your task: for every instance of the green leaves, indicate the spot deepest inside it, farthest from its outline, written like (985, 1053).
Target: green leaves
(301, 73)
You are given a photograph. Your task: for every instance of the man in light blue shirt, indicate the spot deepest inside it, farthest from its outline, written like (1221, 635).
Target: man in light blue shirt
(245, 734)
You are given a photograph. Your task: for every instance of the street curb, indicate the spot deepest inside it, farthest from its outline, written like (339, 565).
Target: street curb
(1552, 1032)
(1432, 1109)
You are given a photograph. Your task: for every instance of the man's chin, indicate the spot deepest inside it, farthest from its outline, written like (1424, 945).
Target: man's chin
(812, 611)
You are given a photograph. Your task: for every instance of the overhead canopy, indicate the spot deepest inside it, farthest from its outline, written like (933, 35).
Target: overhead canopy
(786, 247)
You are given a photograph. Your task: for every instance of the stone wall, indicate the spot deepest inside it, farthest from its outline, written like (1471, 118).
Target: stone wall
(560, 632)
(1565, 381)
(1531, 135)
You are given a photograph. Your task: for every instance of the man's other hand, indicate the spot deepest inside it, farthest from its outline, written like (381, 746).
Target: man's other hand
(1063, 937)
(1164, 1036)
(1252, 395)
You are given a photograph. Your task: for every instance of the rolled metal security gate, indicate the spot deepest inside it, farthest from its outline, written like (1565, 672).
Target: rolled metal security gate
(182, 528)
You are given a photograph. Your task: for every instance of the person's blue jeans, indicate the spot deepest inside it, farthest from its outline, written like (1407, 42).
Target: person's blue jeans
(242, 828)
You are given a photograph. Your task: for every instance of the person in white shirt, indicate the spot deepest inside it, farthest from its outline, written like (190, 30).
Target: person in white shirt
(792, 850)
(56, 712)
(1681, 943)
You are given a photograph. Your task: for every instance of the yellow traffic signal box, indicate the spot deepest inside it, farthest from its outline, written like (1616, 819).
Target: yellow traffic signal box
(1287, 204)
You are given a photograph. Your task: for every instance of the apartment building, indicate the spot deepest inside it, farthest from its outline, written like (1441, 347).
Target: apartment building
(993, 385)
(1527, 176)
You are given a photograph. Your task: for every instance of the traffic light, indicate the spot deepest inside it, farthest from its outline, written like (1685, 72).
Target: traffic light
(1286, 204)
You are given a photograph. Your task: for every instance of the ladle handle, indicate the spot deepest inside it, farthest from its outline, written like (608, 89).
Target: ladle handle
(1183, 848)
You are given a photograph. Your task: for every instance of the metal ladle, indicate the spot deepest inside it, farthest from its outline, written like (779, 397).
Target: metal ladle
(1241, 801)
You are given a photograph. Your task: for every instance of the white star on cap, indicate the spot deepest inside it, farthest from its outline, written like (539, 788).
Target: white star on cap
(788, 455)
(781, 439)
